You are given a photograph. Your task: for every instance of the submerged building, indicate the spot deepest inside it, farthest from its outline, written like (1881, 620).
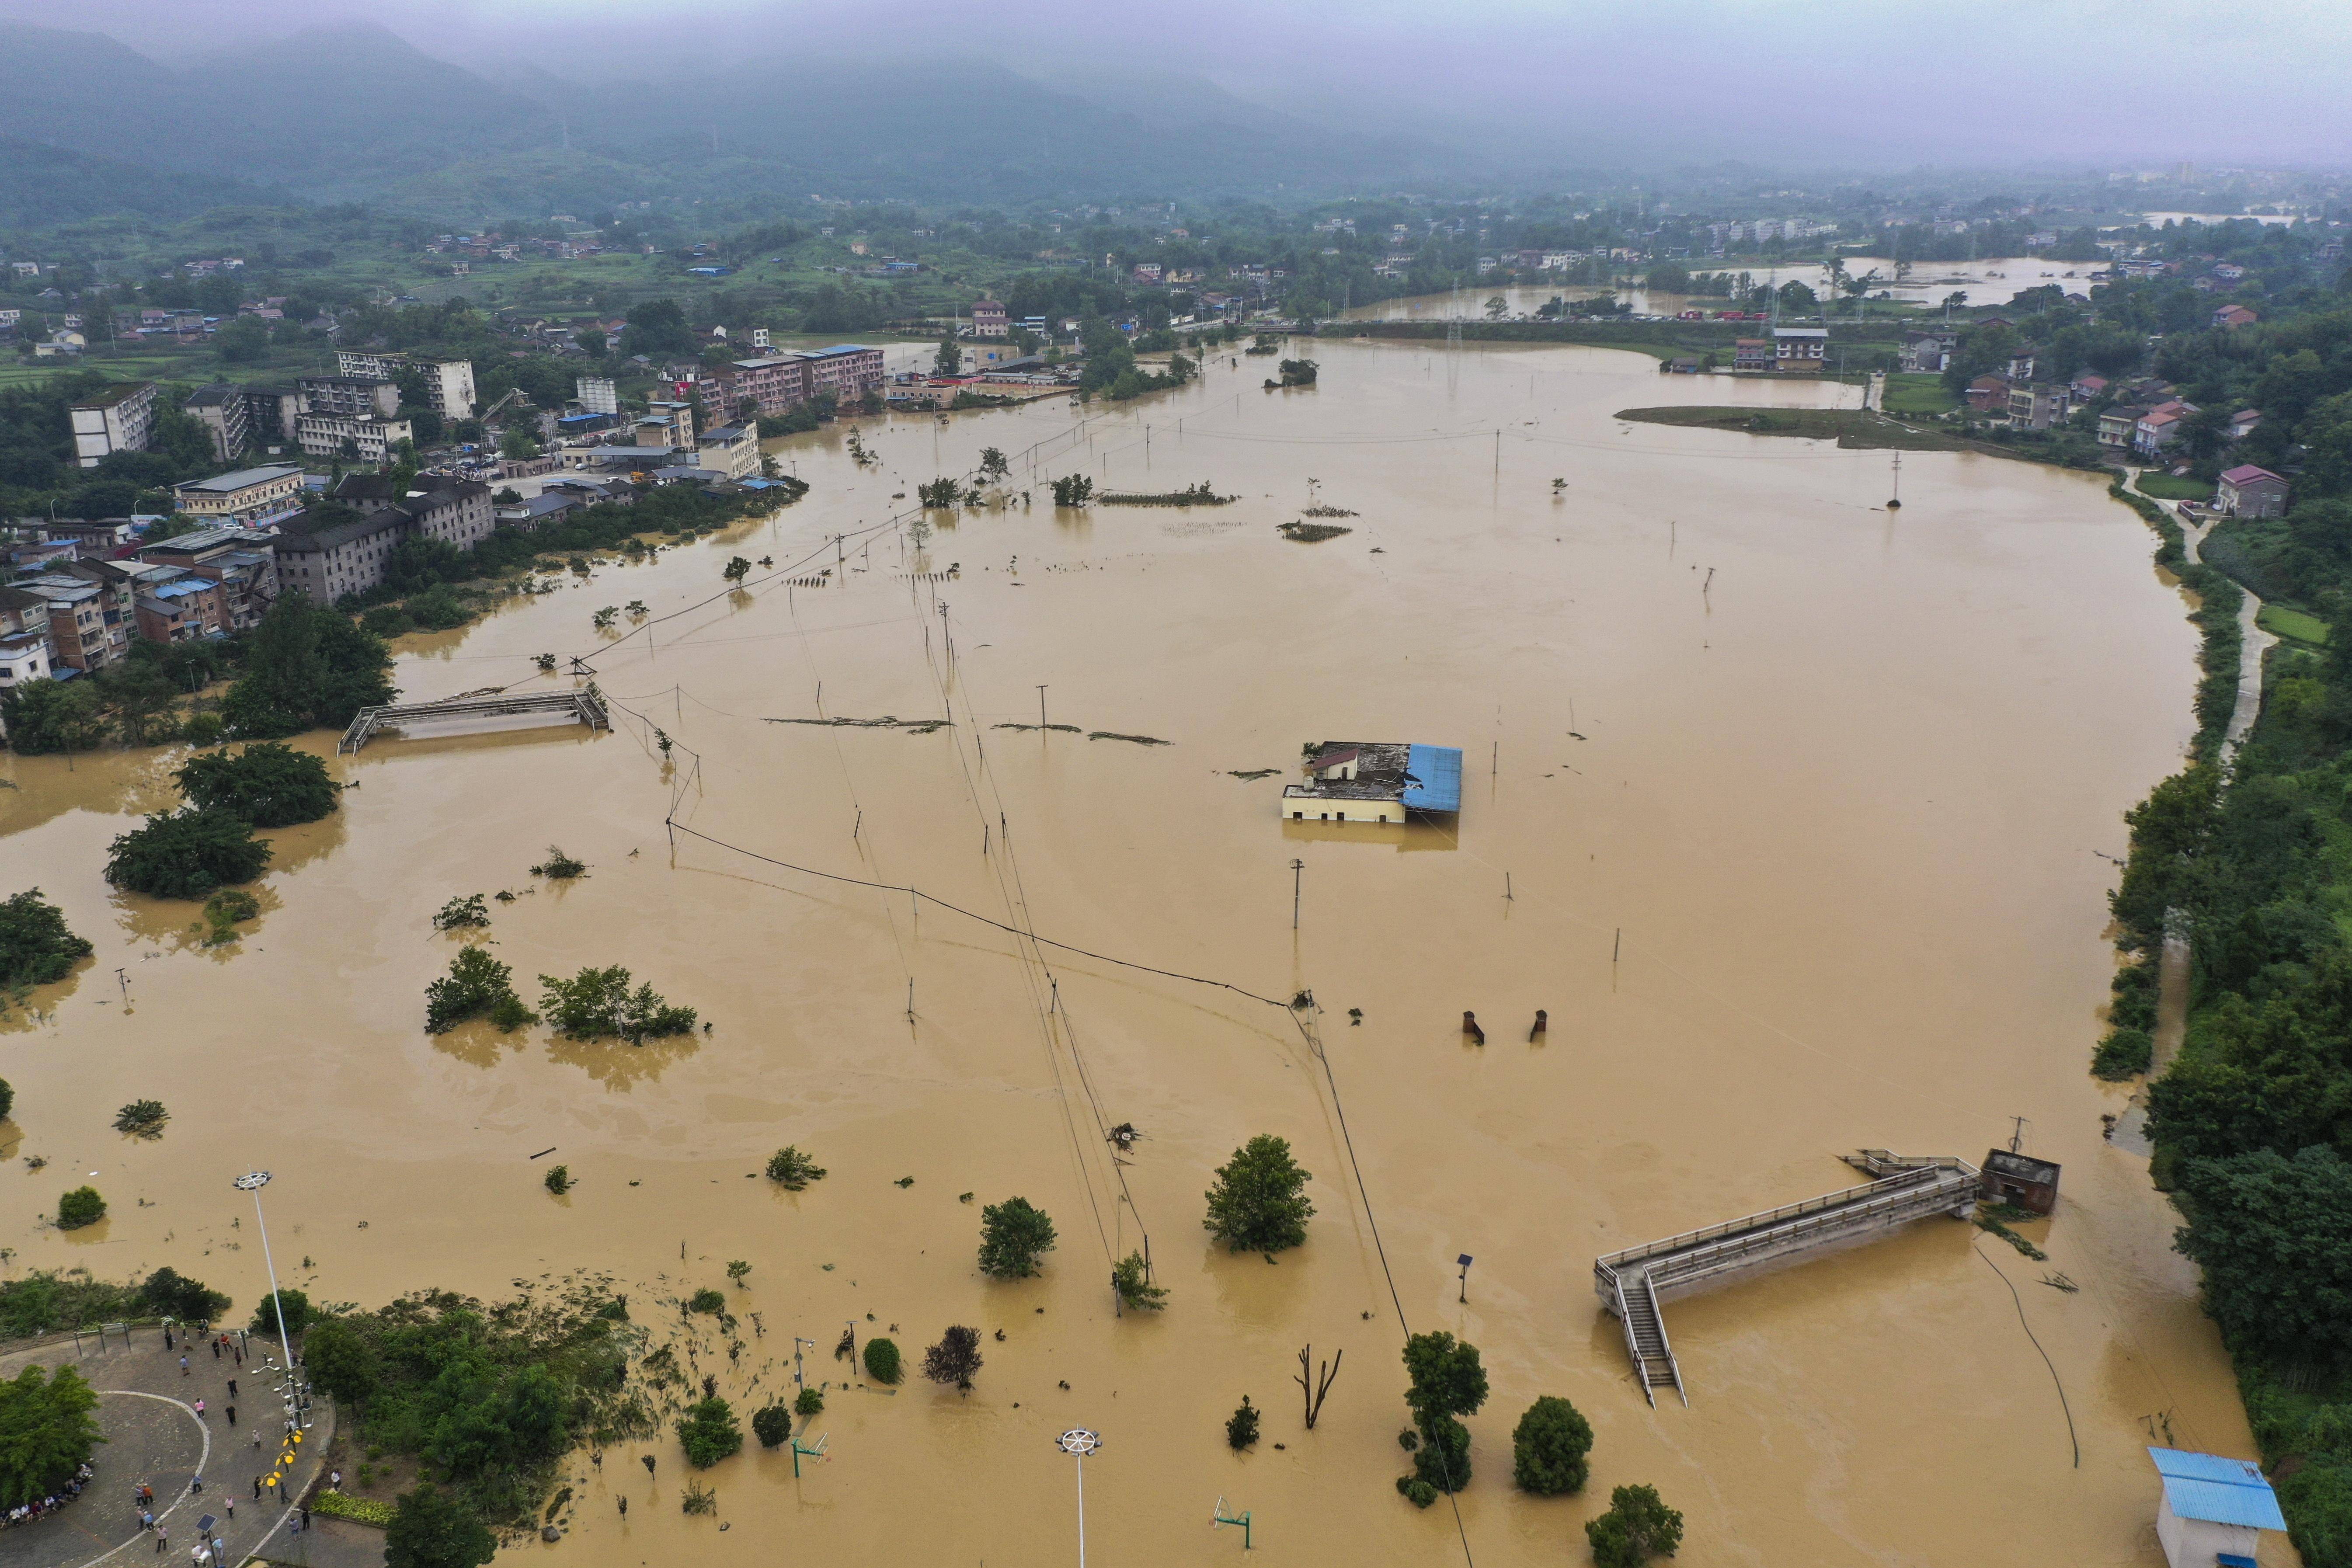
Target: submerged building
(1374, 781)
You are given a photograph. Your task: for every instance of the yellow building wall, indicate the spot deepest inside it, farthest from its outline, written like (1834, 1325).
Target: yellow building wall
(1312, 810)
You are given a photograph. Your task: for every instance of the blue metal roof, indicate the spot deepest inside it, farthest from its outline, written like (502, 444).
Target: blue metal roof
(2216, 1490)
(1436, 778)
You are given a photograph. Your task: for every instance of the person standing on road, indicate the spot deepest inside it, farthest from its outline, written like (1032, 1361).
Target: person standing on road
(232, 1415)
(183, 1366)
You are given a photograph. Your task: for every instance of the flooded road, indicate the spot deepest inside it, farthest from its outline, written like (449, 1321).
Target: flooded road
(1840, 778)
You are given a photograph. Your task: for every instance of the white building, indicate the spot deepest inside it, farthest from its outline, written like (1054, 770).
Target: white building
(250, 496)
(449, 382)
(598, 394)
(2214, 1509)
(732, 450)
(372, 440)
(119, 420)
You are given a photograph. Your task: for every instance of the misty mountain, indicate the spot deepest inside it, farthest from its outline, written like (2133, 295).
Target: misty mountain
(354, 111)
(42, 184)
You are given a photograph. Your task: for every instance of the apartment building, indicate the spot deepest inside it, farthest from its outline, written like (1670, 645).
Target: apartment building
(455, 511)
(241, 563)
(732, 450)
(226, 415)
(255, 497)
(171, 606)
(121, 419)
(449, 382)
(90, 621)
(343, 558)
(845, 370)
(350, 396)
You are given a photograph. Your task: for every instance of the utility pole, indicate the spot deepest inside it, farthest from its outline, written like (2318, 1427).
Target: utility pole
(1041, 709)
(1298, 871)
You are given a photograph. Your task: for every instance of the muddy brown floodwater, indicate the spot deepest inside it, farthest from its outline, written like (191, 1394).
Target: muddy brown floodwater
(1843, 778)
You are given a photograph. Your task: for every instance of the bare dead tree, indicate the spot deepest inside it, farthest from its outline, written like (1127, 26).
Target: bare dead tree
(1325, 1376)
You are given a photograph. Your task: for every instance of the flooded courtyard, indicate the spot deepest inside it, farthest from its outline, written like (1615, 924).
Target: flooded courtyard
(1791, 812)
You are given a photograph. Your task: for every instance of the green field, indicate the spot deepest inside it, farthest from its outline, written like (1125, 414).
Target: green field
(2299, 624)
(2164, 486)
(1917, 394)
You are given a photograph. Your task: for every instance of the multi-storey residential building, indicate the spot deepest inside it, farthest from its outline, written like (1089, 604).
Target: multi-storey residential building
(173, 606)
(240, 561)
(988, 320)
(256, 497)
(271, 412)
(342, 558)
(732, 450)
(226, 415)
(598, 394)
(118, 420)
(24, 656)
(449, 382)
(2036, 406)
(454, 511)
(1798, 351)
(355, 396)
(88, 621)
(20, 611)
(365, 440)
(845, 370)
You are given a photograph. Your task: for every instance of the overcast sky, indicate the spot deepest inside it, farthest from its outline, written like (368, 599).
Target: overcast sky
(2074, 83)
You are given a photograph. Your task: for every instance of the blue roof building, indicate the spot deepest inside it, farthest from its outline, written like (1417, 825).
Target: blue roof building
(2214, 1509)
(1374, 781)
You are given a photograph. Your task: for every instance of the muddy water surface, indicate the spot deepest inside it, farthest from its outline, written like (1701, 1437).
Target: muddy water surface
(1840, 778)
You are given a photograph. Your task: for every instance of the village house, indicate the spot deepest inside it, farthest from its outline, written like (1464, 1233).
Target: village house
(2213, 1509)
(2156, 429)
(2244, 423)
(1799, 350)
(2229, 318)
(2247, 490)
(1374, 782)
(171, 606)
(1751, 353)
(1986, 394)
(2037, 407)
(2117, 424)
(2086, 386)
(988, 320)
(1928, 351)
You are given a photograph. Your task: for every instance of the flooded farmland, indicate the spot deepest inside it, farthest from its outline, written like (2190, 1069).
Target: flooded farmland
(1791, 811)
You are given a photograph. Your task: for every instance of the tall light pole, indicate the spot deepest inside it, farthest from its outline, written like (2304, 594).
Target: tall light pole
(253, 1182)
(1077, 1442)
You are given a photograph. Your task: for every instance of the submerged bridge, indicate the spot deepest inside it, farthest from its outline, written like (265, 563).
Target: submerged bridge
(581, 705)
(1632, 1283)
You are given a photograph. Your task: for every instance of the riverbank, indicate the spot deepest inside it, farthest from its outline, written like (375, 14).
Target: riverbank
(1855, 429)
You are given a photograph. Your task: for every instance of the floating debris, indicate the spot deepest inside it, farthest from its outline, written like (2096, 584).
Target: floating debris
(888, 722)
(1139, 739)
(1329, 512)
(1251, 775)
(1198, 494)
(1033, 728)
(1312, 533)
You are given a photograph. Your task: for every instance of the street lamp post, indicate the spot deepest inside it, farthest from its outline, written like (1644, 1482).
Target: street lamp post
(253, 1182)
(1077, 1442)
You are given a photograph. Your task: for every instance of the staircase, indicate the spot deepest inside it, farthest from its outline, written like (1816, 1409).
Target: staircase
(1645, 1337)
(1630, 1283)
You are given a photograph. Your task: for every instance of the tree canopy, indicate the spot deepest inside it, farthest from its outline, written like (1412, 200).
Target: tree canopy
(1014, 1235)
(308, 668)
(186, 853)
(1259, 1203)
(47, 1431)
(267, 783)
(36, 947)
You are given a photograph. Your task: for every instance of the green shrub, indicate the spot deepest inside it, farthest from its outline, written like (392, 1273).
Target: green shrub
(1014, 1235)
(463, 913)
(2123, 1053)
(559, 1180)
(171, 1294)
(597, 1003)
(477, 984)
(8, 1099)
(203, 730)
(772, 1424)
(294, 1303)
(360, 1511)
(559, 866)
(267, 783)
(79, 1208)
(1419, 1491)
(706, 1300)
(1241, 1426)
(35, 948)
(1444, 1458)
(709, 1432)
(50, 1431)
(1259, 1203)
(1134, 1285)
(882, 1361)
(142, 1118)
(1549, 1447)
(809, 1403)
(1637, 1526)
(186, 853)
(438, 608)
(432, 1530)
(386, 621)
(793, 1169)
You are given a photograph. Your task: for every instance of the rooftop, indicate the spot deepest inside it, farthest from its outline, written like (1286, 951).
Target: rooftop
(119, 392)
(1424, 778)
(2216, 1490)
(224, 484)
(2246, 473)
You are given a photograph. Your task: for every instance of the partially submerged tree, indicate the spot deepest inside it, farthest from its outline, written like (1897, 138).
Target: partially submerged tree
(269, 783)
(1014, 1235)
(186, 853)
(1549, 1447)
(142, 1118)
(1241, 1426)
(882, 1361)
(792, 1170)
(1447, 1380)
(82, 1206)
(709, 1432)
(955, 1359)
(1637, 1526)
(597, 1003)
(1259, 1204)
(559, 866)
(772, 1424)
(35, 948)
(461, 914)
(1133, 1282)
(476, 987)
